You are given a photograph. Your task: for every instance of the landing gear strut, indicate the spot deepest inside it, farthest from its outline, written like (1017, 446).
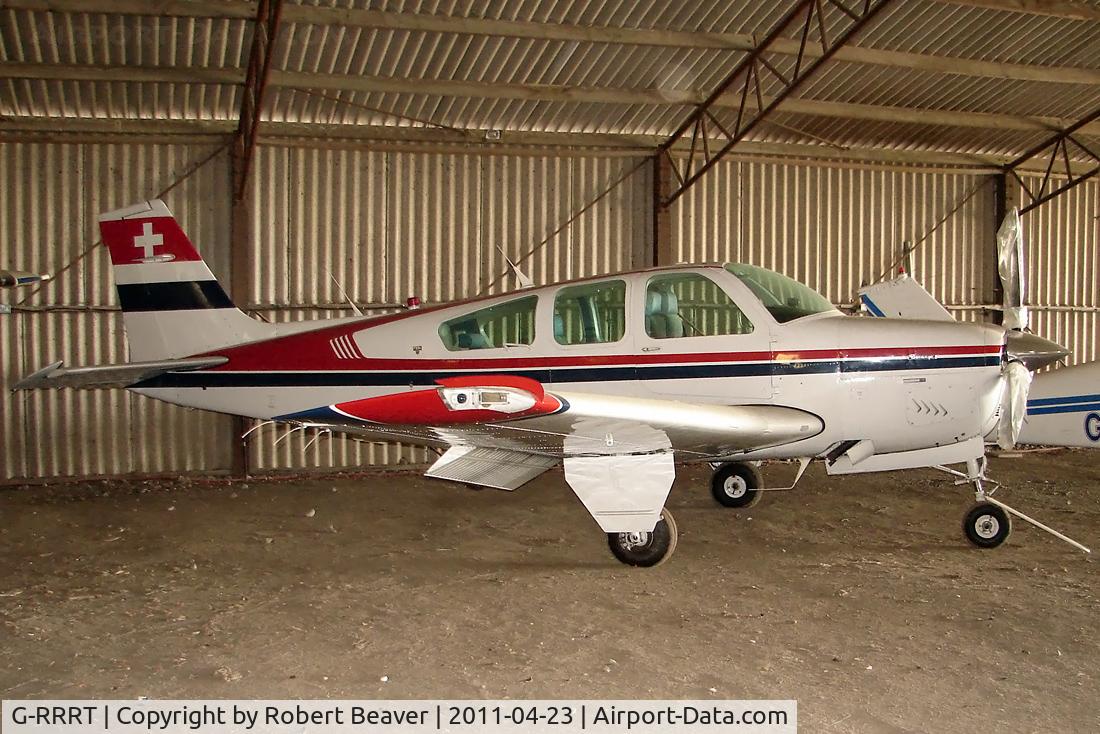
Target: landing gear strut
(735, 485)
(646, 549)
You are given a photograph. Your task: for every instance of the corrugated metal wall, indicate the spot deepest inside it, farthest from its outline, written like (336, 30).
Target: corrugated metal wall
(836, 228)
(390, 224)
(1063, 253)
(49, 198)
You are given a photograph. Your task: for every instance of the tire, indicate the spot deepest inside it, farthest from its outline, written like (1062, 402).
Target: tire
(646, 549)
(736, 485)
(986, 525)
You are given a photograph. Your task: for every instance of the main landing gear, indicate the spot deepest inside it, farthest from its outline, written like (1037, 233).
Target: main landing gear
(736, 485)
(646, 549)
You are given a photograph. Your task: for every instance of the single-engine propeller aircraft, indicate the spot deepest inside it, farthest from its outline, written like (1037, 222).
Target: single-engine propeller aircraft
(617, 377)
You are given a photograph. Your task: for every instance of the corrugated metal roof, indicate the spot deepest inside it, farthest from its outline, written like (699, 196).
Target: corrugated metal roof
(413, 56)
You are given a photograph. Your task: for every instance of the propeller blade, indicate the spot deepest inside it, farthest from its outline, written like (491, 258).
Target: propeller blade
(1017, 380)
(1010, 265)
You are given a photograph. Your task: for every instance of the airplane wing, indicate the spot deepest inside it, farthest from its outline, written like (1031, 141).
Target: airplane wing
(618, 452)
(113, 375)
(519, 414)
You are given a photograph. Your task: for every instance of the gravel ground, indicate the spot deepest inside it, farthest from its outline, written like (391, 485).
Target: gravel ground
(858, 597)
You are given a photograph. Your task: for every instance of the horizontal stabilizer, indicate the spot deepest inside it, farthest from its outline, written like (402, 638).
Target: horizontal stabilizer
(489, 467)
(113, 375)
(902, 298)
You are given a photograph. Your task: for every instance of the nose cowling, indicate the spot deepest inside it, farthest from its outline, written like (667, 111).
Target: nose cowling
(1034, 352)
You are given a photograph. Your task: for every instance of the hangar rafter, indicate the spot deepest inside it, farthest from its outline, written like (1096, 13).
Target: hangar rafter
(809, 19)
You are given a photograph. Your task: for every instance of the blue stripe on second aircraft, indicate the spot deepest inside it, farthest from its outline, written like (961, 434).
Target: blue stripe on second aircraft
(1074, 408)
(1064, 400)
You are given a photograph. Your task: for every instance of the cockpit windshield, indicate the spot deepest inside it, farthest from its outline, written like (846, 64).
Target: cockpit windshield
(785, 299)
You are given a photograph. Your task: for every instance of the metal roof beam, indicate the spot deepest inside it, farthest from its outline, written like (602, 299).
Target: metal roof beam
(806, 19)
(1068, 9)
(1058, 148)
(536, 92)
(265, 32)
(300, 133)
(241, 9)
(362, 18)
(79, 129)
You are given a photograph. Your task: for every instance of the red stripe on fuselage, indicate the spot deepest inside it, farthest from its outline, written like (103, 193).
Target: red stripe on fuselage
(312, 351)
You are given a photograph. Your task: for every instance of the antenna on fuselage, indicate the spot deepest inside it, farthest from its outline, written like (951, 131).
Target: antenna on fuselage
(522, 277)
(344, 293)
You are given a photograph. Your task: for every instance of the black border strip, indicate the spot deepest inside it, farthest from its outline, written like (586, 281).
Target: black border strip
(214, 378)
(173, 296)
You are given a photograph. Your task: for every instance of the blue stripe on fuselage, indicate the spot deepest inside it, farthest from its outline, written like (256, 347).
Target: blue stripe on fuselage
(557, 375)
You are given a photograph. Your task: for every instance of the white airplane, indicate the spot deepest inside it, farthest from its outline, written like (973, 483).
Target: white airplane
(617, 378)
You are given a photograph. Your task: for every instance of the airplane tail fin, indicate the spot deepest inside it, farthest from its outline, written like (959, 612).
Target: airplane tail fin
(902, 298)
(172, 306)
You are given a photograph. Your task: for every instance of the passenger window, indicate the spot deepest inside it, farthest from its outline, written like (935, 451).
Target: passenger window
(689, 304)
(502, 325)
(593, 313)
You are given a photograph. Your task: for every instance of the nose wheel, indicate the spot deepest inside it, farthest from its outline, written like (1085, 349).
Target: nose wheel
(735, 485)
(986, 525)
(646, 549)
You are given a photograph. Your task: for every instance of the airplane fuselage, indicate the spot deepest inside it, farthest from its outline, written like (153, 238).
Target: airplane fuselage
(904, 385)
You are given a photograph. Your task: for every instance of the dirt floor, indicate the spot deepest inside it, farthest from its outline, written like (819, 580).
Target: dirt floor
(857, 597)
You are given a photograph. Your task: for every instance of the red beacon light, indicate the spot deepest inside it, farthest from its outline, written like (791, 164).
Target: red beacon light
(412, 303)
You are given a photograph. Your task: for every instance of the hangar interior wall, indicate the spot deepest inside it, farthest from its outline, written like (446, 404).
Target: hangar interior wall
(389, 224)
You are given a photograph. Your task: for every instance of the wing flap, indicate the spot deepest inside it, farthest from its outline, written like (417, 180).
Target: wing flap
(113, 375)
(489, 467)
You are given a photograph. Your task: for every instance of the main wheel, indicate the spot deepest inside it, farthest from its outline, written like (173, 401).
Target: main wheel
(646, 549)
(736, 485)
(986, 525)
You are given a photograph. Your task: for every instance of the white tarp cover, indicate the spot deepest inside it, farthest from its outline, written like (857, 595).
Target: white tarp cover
(1010, 265)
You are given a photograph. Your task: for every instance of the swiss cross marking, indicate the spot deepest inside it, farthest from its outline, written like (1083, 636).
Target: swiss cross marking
(147, 241)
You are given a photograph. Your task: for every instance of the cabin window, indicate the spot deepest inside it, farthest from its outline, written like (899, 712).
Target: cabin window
(592, 313)
(786, 299)
(688, 304)
(503, 325)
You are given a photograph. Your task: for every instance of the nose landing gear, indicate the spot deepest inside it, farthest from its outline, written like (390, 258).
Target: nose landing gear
(988, 523)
